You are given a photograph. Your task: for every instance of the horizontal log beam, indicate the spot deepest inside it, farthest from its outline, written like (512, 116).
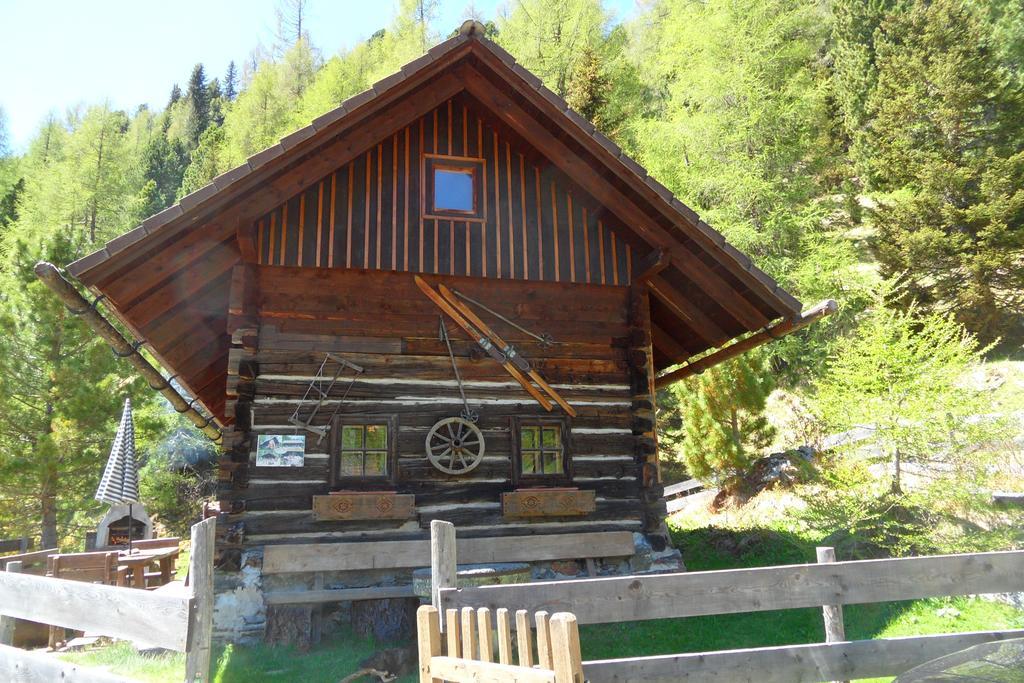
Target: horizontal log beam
(777, 331)
(313, 597)
(397, 554)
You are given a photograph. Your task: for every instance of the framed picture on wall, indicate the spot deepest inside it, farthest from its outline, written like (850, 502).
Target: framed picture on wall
(280, 450)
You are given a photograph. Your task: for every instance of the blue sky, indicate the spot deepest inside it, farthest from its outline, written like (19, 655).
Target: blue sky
(55, 54)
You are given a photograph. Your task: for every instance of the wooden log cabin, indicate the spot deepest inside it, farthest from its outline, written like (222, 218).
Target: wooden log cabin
(354, 407)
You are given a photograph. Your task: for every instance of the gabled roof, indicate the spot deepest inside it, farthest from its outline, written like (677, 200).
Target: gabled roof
(168, 279)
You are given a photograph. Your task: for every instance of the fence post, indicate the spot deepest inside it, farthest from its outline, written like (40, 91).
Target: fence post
(835, 631)
(428, 640)
(200, 571)
(7, 623)
(443, 562)
(565, 648)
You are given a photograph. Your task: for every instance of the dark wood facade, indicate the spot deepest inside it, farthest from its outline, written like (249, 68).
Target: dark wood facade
(383, 323)
(311, 247)
(537, 225)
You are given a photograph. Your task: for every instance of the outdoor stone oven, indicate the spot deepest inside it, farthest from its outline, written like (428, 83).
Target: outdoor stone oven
(113, 528)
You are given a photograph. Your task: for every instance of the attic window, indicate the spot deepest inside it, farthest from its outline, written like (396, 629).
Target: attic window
(453, 187)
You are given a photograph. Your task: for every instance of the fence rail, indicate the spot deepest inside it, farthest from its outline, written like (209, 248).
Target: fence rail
(827, 585)
(15, 545)
(689, 594)
(180, 622)
(792, 663)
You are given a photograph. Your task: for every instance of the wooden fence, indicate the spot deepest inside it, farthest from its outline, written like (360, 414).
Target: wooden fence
(675, 495)
(470, 639)
(176, 621)
(827, 585)
(15, 545)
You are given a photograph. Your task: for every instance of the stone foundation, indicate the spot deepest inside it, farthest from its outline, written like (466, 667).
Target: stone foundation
(241, 615)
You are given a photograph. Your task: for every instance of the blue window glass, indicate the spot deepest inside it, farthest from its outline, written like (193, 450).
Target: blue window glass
(453, 190)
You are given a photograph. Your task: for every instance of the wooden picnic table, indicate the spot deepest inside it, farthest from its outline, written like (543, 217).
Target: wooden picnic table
(137, 561)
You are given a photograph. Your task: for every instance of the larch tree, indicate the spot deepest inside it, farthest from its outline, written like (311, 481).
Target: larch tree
(899, 376)
(947, 149)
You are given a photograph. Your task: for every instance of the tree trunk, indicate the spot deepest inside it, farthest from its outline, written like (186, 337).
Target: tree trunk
(389, 620)
(897, 488)
(48, 509)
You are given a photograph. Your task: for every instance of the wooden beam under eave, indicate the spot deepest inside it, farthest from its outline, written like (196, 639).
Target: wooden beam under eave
(667, 345)
(696, 319)
(245, 233)
(596, 185)
(184, 284)
(652, 264)
(777, 331)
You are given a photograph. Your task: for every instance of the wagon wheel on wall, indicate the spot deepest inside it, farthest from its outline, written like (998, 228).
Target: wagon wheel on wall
(455, 445)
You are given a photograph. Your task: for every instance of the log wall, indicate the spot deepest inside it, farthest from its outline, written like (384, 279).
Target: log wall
(283, 321)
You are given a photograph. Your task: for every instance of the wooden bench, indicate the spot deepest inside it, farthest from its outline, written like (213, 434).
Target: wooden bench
(97, 567)
(15, 545)
(362, 556)
(31, 563)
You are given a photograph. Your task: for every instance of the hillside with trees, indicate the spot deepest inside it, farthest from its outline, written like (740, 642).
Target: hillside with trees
(870, 152)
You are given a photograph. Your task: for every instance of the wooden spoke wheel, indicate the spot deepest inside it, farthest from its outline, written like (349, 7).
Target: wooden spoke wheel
(455, 445)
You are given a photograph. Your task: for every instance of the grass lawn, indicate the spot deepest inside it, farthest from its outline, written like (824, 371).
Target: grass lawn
(703, 549)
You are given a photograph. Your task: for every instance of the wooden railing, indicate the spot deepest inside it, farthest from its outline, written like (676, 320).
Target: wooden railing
(15, 545)
(180, 622)
(467, 651)
(827, 585)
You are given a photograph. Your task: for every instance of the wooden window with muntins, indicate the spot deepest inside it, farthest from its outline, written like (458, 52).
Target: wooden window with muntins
(541, 453)
(453, 187)
(363, 450)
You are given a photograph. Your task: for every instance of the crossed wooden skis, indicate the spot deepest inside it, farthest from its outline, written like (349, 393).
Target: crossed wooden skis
(496, 347)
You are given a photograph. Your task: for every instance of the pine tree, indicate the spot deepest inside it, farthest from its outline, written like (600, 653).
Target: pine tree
(855, 24)
(216, 99)
(231, 82)
(175, 95)
(723, 428)
(199, 97)
(946, 141)
(60, 388)
(163, 165)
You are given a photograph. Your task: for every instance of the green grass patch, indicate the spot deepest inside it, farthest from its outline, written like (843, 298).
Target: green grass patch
(336, 657)
(121, 658)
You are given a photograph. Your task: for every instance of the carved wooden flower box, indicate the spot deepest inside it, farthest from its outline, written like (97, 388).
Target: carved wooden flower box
(344, 505)
(553, 502)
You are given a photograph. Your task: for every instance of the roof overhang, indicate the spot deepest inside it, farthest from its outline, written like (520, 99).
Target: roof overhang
(168, 279)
